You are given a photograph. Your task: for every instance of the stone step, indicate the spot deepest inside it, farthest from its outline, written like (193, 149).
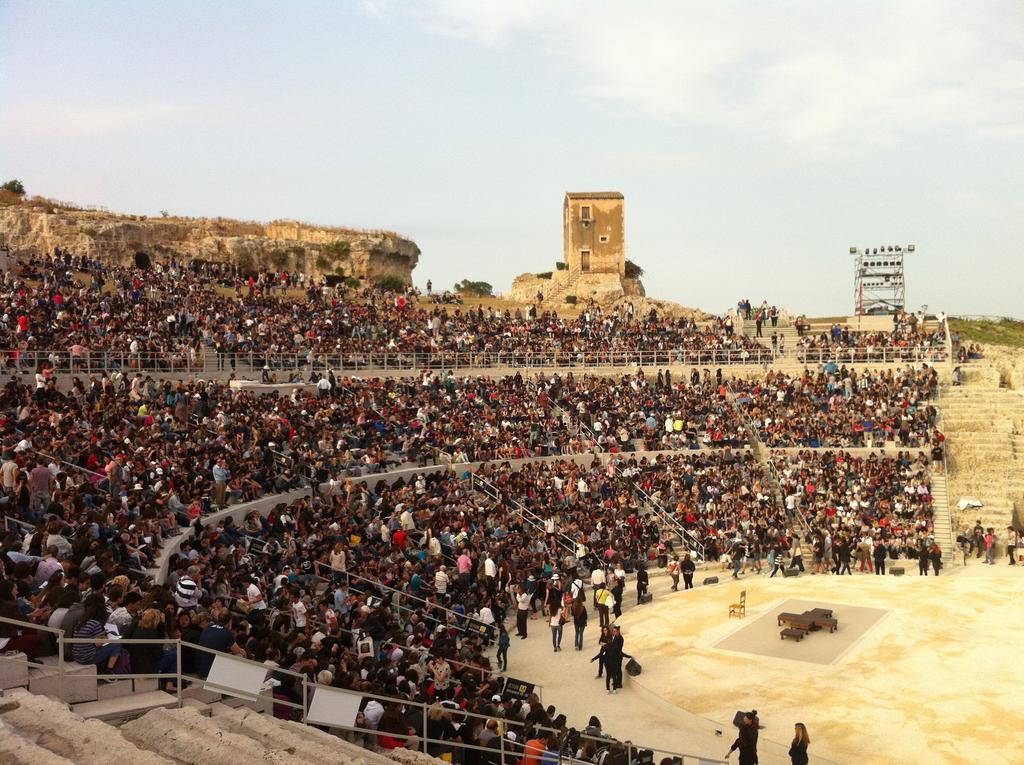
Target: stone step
(18, 750)
(199, 706)
(201, 694)
(112, 689)
(80, 681)
(125, 707)
(300, 741)
(189, 737)
(85, 742)
(14, 671)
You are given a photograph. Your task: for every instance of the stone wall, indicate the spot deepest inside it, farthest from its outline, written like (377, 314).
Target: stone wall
(280, 245)
(604, 288)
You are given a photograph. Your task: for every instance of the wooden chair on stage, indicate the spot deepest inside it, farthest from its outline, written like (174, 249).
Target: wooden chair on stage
(739, 609)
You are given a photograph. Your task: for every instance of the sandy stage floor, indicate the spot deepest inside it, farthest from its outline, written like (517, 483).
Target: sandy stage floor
(932, 672)
(760, 635)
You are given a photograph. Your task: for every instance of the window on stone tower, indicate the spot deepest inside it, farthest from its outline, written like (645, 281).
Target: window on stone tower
(585, 212)
(603, 239)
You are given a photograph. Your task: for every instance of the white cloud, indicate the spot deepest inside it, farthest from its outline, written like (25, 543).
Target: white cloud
(805, 72)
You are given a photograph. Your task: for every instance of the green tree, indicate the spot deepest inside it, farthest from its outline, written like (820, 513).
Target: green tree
(391, 282)
(633, 271)
(480, 289)
(14, 186)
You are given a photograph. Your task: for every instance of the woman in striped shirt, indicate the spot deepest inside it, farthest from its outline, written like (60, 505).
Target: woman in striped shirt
(103, 655)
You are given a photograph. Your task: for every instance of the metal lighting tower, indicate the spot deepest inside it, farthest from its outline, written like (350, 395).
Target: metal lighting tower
(878, 284)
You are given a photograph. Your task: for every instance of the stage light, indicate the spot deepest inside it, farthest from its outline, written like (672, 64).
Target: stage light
(853, 250)
(911, 247)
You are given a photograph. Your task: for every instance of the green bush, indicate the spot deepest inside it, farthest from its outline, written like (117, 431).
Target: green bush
(353, 282)
(570, 299)
(562, 265)
(340, 247)
(278, 258)
(391, 283)
(633, 271)
(545, 275)
(245, 263)
(14, 186)
(479, 289)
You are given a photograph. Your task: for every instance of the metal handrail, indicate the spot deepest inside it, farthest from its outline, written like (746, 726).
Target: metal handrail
(532, 519)
(96, 361)
(685, 535)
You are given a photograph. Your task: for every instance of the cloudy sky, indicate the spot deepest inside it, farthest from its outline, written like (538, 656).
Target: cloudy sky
(754, 142)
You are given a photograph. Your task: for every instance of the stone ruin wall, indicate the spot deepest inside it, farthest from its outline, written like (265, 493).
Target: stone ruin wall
(279, 245)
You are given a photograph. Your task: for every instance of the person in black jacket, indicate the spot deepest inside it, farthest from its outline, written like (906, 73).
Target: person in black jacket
(880, 554)
(611, 655)
(798, 749)
(688, 567)
(641, 583)
(746, 741)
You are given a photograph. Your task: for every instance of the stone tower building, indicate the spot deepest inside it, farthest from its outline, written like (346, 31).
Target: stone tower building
(594, 233)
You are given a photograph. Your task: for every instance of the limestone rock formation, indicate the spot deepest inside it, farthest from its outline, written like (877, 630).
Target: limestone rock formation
(280, 245)
(605, 288)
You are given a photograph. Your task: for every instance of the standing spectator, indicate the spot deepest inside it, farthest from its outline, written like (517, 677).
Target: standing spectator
(40, 484)
(1011, 545)
(923, 557)
(503, 643)
(673, 571)
(990, 546)
(798, 749)
(797, 553)
(220, 482)
(881, 550)
(746, 741)
(613, 655)
(688, 568)
(522, 610)
(579, 622)
(555, 621)
(641, 583)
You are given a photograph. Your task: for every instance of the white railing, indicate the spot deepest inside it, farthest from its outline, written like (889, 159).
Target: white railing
(95, 361)
(686, 536)
(531, 518)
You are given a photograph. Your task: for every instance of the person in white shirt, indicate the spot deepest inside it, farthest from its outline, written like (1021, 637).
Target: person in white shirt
(441, 581)
(299, 613)
(254, 600)
(597, 580)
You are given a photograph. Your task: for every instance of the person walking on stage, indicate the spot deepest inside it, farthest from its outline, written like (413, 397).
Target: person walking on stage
(579, 622)
(746, 741)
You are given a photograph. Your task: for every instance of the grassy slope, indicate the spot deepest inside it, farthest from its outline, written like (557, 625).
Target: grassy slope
(1006, 332)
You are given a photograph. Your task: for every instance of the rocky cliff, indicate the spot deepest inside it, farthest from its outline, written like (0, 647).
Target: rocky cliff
(557, 285)
(280, 245)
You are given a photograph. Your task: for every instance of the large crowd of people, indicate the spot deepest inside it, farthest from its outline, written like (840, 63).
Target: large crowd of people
(846, 407)
(400, 569)
(170, 316)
